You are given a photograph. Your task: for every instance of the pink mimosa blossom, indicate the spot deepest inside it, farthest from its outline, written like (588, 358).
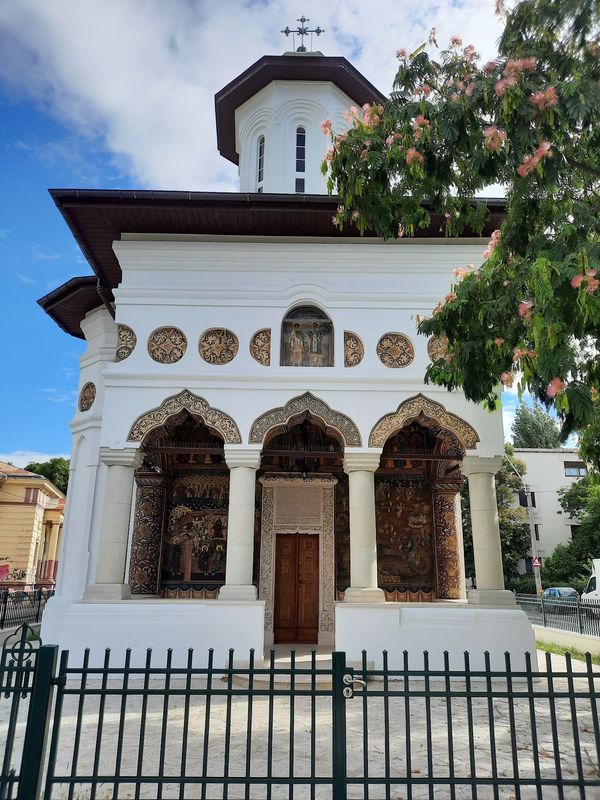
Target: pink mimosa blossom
(507, 379)
(493, 138)
(401, 53)
(326, 126)
(498, 341)
(544, 100)
(413, 154)
(592, 285)
(591, 272)
(577, 281)
(470, 53)
(450, 297)
(490, 67)
(525, 309)
(400, 231)
(390, 140)
(492, 244)
(329, 155)
(356, 215)
(514, 66)
(556, 386)
(456, 41)
(420, 122)
(432, 35)
(505, 283)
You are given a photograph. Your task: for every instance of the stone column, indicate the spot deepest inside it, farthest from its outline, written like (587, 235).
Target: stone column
(242, 463)
(363, 533)
(52, 553)
(487, 549)
(109, 583)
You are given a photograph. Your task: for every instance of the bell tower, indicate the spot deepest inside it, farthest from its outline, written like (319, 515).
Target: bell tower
(269, 117)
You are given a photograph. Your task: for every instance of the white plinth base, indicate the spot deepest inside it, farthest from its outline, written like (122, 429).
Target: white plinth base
(237, 593)
(106, 592)
(158, 624)
(435, 627)
(352, 595)
(491, 597)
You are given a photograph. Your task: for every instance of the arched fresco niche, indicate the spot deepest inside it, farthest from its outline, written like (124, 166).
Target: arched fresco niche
(419, 546)
(306, 338)
(179, 540)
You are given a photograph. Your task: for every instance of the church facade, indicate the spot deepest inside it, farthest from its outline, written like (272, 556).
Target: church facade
(256, 459)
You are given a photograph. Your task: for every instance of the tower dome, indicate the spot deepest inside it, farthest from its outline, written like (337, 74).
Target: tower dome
(269, 119)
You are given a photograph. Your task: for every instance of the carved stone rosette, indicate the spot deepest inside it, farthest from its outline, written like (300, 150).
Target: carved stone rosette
(353, 349)
(260, 347)
(297, 405)
(395, 350)
(212, 417)
(218, 346)
(126, 342)
(87, 395)
(167, 345)
(446, 545)
(412, 408)
(437, 347)
(144, 562)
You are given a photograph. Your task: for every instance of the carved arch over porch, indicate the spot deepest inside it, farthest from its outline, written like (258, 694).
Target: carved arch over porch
(418, 406)
(338, 422)
(217, 420)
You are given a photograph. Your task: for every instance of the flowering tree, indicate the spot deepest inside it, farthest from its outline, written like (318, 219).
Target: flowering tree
(528, 120)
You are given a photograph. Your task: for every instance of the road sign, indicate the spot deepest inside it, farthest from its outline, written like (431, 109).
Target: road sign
(536, 562)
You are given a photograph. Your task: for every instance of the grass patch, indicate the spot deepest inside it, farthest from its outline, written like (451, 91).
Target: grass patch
(561, 651)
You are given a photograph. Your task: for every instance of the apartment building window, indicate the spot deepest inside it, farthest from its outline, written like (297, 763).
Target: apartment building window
(537, 532)
(575, 469)
(525, 498)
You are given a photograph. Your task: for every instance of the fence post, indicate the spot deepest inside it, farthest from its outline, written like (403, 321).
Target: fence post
(579, 623)
(39, 606)
(340, 772)
(543, 612)
(4, 606)
(38, 721)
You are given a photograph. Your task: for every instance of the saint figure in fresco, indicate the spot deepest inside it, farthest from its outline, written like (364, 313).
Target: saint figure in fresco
(315, 340)
(296, 344)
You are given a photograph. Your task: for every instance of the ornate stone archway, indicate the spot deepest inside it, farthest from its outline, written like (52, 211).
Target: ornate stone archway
(418, 406)
(335, 420)
(220, 422)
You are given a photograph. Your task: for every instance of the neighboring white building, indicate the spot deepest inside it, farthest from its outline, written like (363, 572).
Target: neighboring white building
(256, 457)
(549, 471)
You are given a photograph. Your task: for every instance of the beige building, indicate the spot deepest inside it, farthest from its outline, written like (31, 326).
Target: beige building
(31, 517)
(549, 471)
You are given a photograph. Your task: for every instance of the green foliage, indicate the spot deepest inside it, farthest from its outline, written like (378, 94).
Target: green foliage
(569, 564)
(514, 529)
(589, 443)
(56, 470)
(527, 121)
(574, 500)
(533, 427)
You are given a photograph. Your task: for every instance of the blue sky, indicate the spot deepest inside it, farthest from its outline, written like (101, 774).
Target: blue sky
(119, 94)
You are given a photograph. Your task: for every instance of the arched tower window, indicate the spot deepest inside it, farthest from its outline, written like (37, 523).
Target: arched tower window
(306, 338)
(260, 164)
(300, 159)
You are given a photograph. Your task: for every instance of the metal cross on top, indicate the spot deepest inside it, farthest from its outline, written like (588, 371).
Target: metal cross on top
(302, 31)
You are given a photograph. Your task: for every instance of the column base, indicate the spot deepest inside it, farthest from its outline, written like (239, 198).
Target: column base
(370, 595)
(106, 592)
(491, 597)
(237, 593)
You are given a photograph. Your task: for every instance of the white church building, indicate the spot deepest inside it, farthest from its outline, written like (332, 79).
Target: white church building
(256, 459)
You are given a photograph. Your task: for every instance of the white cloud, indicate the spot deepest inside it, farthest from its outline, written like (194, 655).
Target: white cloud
(140, 78)
(20, 458)
(26, 279)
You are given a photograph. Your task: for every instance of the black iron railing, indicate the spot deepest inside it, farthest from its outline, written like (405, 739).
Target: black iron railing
(295, 729)
(20, 607)
(567, 613)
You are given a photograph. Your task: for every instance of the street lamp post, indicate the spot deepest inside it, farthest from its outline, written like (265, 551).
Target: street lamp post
(534, 551)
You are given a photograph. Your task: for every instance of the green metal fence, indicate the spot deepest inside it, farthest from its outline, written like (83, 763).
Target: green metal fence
(20, 607)
(307, 729)
(565, 613)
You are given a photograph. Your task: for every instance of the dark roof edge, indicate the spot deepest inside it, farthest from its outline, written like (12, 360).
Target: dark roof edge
(53, 302)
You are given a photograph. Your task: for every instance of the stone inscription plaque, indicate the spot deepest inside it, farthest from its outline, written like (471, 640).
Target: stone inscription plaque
(298, 508)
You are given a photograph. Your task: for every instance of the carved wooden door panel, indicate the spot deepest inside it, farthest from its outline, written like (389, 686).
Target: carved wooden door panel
(297, 588)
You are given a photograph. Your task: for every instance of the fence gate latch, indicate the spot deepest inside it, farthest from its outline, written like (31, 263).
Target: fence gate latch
(349, 681)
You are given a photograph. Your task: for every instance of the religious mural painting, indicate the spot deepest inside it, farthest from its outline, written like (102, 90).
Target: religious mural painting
(307, 338)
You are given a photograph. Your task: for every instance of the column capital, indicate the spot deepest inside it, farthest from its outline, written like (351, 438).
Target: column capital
(121, 456)
(236, 456)
(366, 461)
(472, 465)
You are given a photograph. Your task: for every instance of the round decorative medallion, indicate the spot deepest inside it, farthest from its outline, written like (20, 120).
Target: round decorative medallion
(437, 347)
(87, 395)
(167, 345)
(218, 346)
(125, 343)
(353, 349)
(395, 350)
(260, 347)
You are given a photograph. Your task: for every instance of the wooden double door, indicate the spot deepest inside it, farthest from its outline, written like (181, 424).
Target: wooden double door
(296, 588)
